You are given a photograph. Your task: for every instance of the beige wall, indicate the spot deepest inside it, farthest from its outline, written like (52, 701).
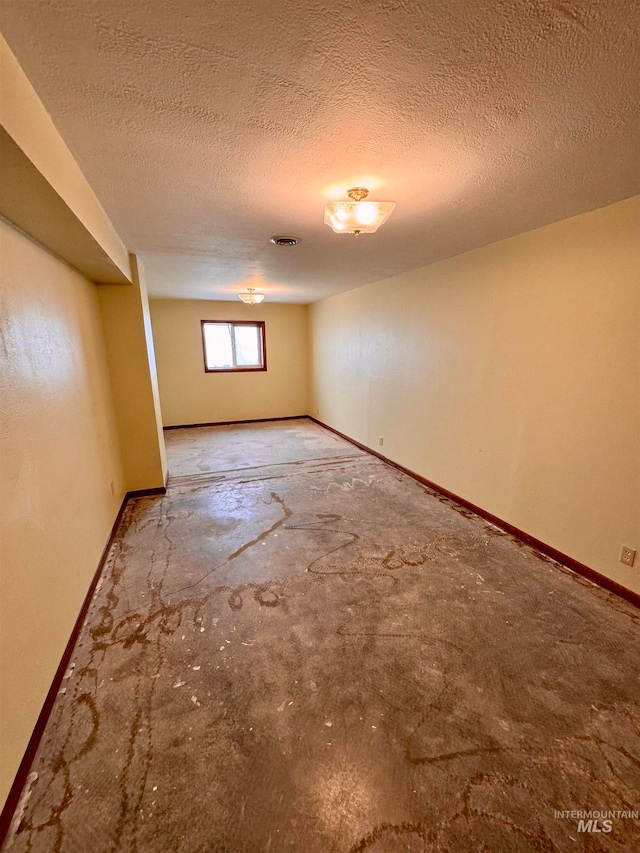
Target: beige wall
(61, 479)
(80, 421)
(509, 375)
(130, 351)
(27, 121)
(189, 395)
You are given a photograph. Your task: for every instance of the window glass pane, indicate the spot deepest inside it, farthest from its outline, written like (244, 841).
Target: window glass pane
(248, 349)
(217, 344)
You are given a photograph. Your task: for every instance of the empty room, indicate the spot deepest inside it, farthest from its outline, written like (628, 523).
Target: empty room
(319, 426)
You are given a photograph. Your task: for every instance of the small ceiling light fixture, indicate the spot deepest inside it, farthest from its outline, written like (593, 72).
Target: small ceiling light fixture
(250, 297)
(357, 216)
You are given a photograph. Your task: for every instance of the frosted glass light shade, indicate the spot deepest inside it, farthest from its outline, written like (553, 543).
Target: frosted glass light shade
(362, 217)
(251, 297)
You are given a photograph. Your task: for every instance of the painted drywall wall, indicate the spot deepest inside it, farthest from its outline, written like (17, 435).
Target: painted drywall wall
(61, 478)
(140, 281)
(130, 352)
(509, 375)
(189, 395)
(24, 117)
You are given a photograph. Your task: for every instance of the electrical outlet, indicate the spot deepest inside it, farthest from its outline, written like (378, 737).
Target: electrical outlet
(627, 555)
(380, 440)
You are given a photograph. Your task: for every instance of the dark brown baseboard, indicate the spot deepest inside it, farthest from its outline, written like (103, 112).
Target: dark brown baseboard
(233, 423)
(548, 550)
(146, 493)
(24, 769)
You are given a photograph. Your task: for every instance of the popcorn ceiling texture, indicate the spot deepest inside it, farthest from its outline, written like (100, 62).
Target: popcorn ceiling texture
(205, 128)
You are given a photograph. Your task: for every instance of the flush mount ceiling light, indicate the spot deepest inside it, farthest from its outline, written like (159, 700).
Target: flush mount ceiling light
(250, 297)
(357, 216)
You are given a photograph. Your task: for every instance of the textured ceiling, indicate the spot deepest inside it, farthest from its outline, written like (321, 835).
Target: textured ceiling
(205, 127)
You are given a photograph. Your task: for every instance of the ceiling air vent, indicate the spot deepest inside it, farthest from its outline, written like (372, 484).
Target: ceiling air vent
(284, 240)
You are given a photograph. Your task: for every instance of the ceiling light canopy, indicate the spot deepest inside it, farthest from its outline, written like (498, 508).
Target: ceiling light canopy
(357, 216)
(250, 297)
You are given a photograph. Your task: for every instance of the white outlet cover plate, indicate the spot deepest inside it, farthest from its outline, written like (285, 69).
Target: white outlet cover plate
(627, 556)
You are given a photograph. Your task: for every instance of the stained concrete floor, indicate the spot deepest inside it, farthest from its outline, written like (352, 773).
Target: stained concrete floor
(300, 648)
